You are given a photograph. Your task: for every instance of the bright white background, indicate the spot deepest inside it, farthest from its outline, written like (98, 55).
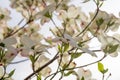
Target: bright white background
(113, 64)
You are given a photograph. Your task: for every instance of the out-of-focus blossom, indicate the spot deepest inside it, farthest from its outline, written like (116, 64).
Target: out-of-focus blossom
(106, 40)
(104, 22)
(8, 45)
(4, 15)
(68, 39)
(30, 47)
(40, 62)
(86, 74)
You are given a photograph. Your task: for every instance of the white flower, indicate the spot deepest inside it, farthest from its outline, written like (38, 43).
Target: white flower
(4, 14)
(68, 39)
(27, 45)
(84, 73)
(40, 62)
(31, 47)
(106, 40)
(7, 45)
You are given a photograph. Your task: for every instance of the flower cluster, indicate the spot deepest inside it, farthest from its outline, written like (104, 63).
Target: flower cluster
(70, 39)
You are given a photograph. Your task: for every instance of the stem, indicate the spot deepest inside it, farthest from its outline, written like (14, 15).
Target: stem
(103, 77)
(89, 22)
(80, 66)
(18, 61)
(58, 67)
(88, 64)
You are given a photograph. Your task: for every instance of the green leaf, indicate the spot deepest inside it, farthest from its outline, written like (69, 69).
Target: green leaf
(106, 70)
(39, 77)
(99, 22)
(66, 47)
(85, 1)
(47, 14)
(82, 78)
(60, 49)
(68, 73)
(111, 48)
(110, 23)
(2, 16)
(11, 73)
(32, 58)
(100, 67)
(2, 44)
(75, 55)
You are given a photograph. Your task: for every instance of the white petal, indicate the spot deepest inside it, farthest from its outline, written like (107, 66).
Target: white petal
(71, 41)
(26, 41)
(88, 51)
(9, 41)
(1, 71)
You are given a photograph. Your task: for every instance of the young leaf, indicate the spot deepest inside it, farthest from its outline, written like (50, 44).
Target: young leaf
(68, 73)
(66, 46)
(38, 77)
(32, 58)
(100, 67)
(11, 73)
(82, 78)
(99, 22)
(60, 48)
(111, 48)
(75, 55)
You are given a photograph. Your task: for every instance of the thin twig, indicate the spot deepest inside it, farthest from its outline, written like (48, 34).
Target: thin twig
(80, 66)
(89, 22)
(18, 61)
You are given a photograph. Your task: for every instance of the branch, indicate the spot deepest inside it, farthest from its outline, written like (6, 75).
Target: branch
(41, 68)
(89, 22)
(18, 61)
(78, 67)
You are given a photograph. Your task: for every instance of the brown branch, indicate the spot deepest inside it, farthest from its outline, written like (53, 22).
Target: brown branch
(79, 66)
(41, 68)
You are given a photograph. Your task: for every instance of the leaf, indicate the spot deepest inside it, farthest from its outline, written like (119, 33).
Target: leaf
(60, 48)
(82, 78)
(66, 47)
(99, 22)
(32, 58)
(101, 68)
(2, 44)
(106, 70)
(113, 48)
(2, 16)
(75, 55)
(85, 1)
(110, 23)
(68, 73)
(11, 73)
(110, 48)
(38, 77)
(47, 14)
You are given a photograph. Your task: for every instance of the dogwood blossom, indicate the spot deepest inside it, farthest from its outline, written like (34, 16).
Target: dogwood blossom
(107, 40)
(11, 51)
(40, 62)
(86, 74)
